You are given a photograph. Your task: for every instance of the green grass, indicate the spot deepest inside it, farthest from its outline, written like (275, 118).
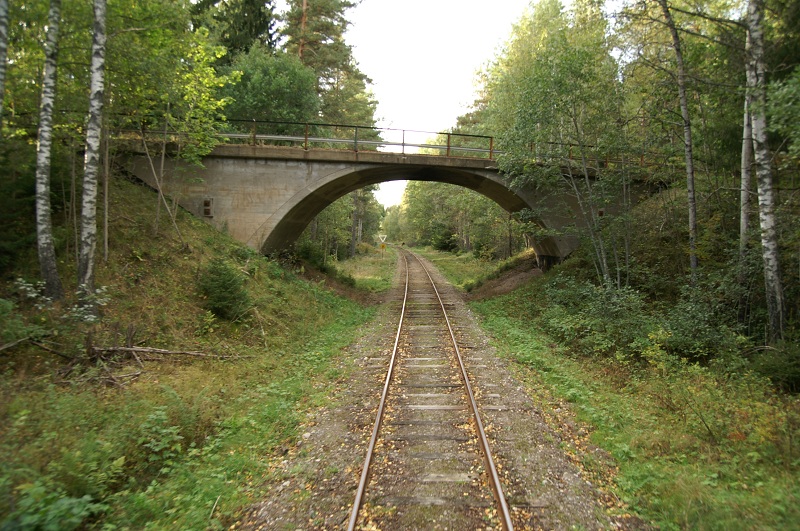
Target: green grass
(189, 434)
(464, 270)
(694, 450)
(372, 271)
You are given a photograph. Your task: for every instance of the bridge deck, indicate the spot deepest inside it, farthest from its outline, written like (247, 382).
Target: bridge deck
(268, 152)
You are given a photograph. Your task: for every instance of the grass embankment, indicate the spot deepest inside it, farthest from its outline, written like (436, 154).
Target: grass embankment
(697, 447)
(177, 442)
(467, 272)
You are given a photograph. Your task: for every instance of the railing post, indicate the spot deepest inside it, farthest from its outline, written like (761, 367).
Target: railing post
(305, 143)
(403, 145)
(491, 148)
(355, 142)
(253, 137)
(448, 144)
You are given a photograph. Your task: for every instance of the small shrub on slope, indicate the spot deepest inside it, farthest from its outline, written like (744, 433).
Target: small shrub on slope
(224, 290)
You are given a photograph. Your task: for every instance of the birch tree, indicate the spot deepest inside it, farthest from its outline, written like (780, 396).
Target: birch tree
(744, 186)
(687, 133)
(757, 99)
(91, 167)
(44, 222)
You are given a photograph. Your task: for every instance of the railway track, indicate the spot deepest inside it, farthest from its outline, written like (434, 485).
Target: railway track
(428, 464)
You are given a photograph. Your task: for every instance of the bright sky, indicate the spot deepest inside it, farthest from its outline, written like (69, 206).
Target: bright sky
(422, 56)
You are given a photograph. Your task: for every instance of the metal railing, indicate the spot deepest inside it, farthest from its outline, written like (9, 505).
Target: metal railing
(359, 138)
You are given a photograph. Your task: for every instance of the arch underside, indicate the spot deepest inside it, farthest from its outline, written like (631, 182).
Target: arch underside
(297, 216)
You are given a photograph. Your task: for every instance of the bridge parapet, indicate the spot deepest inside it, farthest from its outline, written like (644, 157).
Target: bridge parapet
(266, 152)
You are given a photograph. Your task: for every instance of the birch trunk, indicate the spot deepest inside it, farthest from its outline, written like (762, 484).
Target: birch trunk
(91, 166)
(746, 179)
(687, 136)
(756, 71)
(3, 51)
(44, 222)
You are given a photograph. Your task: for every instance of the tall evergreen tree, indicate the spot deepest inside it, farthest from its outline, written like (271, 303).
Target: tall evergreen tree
(239, 24)
(315, 30)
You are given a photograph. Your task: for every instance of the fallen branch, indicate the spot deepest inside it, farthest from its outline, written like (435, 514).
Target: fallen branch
(48, 349)
(148, 350)
(13, 343)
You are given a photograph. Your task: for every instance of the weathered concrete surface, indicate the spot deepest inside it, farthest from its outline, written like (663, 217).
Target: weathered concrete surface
(265, 196)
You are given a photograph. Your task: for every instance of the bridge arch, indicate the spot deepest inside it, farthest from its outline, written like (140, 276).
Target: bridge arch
(295, 215)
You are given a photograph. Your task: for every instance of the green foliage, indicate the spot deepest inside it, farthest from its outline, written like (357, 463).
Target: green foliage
(43, 507)
(784, 112)
(14, 326)
(272, 87)
(595, 320)
(696, 448)
(453, 218)
(158, 451)
(161, 440)
(17, 230)
(700, 326)
(224, 289)
(239, 25)
(779, 363)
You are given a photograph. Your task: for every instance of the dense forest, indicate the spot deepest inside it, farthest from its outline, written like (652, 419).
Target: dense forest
(653, 95)
(698, 282)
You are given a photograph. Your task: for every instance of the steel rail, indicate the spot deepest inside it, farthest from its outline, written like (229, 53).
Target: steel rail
(362, 484)
(494, 477)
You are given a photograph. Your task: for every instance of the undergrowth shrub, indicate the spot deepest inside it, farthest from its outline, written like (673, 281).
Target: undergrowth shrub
(595, 320)
(224, 290)
(701, 325)
(781, 364)
(13, 326)
(43, 506)
(736, 413)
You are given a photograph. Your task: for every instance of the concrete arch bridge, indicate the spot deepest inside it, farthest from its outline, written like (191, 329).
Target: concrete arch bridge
(265, 195)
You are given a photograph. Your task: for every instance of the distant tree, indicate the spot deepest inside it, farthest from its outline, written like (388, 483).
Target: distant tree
(536, 102)
(44, 222)
(315, 32)
(239, 25)
(688, 145)
(272, 87)
(391, 224)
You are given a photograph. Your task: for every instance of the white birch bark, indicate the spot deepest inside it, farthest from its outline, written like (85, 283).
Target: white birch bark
(44, 223)
(687, 135)
(756, 71)
(746, 179)
(91, 166)
(3, 50)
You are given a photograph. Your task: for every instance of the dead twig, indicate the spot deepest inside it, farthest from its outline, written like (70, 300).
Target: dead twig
(148, 350)
(14, 343)
(48, 349)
